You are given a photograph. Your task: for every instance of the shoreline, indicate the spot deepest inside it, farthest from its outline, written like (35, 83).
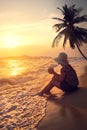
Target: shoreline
(68, 111)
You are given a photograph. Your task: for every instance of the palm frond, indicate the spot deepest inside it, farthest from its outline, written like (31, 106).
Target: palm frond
(55, 41)
(58, 19)
(68, 13)
(60, 9)
(77, 11)
(81, 35)
(65, 9)
(80, 19)
(65, 40)
(72, 43)
(58, 27)
(58, 37)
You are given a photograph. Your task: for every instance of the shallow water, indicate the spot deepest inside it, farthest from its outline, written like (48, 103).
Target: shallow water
(20, 81)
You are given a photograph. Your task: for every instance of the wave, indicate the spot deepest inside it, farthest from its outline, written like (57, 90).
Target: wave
(76, 59)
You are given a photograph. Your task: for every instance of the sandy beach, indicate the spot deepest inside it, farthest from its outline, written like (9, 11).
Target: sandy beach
(67, 112)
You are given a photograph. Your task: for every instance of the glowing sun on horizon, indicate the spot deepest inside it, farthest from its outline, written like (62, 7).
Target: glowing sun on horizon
(11, 41)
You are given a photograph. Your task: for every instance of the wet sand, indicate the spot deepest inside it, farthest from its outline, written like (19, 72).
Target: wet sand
(67, 112)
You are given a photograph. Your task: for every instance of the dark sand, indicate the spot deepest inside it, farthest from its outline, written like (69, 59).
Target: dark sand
(67, 112)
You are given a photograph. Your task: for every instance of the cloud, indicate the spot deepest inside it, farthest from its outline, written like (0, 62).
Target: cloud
(44, 23)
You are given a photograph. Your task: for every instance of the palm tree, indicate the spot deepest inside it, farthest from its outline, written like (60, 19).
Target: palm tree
(69, 29)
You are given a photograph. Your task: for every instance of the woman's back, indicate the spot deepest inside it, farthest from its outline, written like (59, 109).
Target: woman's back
(71, 76)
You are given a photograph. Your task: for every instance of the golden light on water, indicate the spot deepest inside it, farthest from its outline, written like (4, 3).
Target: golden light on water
(15, 67)
(16, 71)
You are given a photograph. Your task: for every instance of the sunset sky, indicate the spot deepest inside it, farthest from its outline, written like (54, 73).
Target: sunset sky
(26, 26)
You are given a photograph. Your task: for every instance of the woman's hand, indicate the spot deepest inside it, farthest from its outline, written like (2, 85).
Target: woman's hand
(51, 70)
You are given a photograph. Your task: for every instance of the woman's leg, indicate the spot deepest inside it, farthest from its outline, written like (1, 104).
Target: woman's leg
(50, 85)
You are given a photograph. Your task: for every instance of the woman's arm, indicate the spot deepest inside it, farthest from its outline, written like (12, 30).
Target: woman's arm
(57, 77)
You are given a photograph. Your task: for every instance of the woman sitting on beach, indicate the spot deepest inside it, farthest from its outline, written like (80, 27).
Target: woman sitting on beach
(67, 81)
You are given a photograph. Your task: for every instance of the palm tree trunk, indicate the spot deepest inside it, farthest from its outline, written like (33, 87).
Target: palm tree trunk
(81, 52)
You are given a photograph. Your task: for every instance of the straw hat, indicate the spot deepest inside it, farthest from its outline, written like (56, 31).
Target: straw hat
(62, 58)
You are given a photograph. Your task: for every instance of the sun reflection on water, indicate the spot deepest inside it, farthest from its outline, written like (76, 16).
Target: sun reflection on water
(15, 67)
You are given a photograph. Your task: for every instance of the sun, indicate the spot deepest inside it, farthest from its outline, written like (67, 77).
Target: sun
(11, 41)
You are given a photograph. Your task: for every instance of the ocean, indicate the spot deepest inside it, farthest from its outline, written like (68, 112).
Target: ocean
(21, 78)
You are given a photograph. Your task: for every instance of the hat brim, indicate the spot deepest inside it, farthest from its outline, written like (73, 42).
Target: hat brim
(59, 61)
